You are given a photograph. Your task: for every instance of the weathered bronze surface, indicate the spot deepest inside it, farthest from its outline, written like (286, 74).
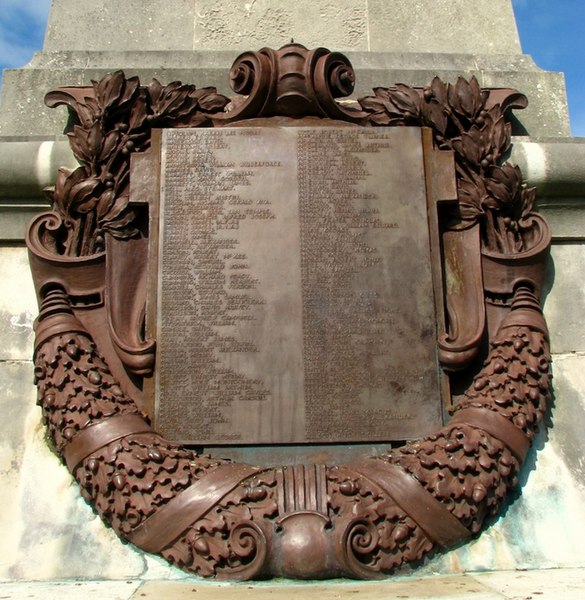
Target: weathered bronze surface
(295, 289)
(95, 337)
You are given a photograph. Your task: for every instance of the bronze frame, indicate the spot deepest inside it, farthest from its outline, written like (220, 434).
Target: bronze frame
(218, 518)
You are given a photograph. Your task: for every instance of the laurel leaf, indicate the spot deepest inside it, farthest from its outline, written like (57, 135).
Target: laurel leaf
(435, 114)
(406, 99)
(212, 102)
(79, 144)
(105, 202)
(94, 140)
(118, 206)
(465, 96)
(109, 144)
(138, 113)
(500, 135)
(528, 200)
(440, 91)
(130, 88)
(85, 115)
(471, 146)
(476, 95)
(82, 195)
(109, 88)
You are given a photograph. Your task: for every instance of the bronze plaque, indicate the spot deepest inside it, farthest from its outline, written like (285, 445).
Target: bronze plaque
(295, 298)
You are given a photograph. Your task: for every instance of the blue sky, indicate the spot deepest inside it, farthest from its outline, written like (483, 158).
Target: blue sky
(22, 29)
(552, 32)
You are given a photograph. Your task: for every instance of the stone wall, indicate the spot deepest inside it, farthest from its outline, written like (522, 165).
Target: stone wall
(48, 532)
(362, 25)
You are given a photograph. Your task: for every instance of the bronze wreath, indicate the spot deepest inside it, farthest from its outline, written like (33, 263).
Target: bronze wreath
(214, 517)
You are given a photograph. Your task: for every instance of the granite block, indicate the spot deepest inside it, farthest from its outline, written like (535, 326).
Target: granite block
(18, 305)
(113, 25)
(48, 531)
(465, 26)
(565, 301)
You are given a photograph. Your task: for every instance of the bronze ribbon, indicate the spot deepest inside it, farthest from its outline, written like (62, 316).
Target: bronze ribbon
(169, 521)
(94, 437)
(497, 426)
(439, 524)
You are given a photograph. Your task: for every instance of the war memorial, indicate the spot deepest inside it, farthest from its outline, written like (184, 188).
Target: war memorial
(290, 292)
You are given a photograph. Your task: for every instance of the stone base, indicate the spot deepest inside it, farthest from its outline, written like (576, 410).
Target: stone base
(24, 114)
(557, 584)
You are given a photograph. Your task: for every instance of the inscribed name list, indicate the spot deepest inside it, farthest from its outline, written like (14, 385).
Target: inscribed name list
(295, 301)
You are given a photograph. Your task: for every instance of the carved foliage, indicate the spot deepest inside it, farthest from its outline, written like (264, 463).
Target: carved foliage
(466, 468)
(232, 539)
(378, 536)
(360, 529)
(75, 387)
(517, 380)
(109, 121)
(127, 480)
(465, 119)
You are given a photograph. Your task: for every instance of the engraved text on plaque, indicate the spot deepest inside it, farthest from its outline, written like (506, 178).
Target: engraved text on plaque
(295, 300)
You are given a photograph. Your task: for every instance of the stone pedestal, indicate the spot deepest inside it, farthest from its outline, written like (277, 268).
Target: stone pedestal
(196, 41)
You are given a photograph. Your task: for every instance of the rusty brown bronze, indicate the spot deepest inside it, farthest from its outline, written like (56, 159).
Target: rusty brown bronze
(95, 350)
(291, 277)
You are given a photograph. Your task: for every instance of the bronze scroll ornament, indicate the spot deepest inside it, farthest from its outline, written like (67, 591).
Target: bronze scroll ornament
(222, 519)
